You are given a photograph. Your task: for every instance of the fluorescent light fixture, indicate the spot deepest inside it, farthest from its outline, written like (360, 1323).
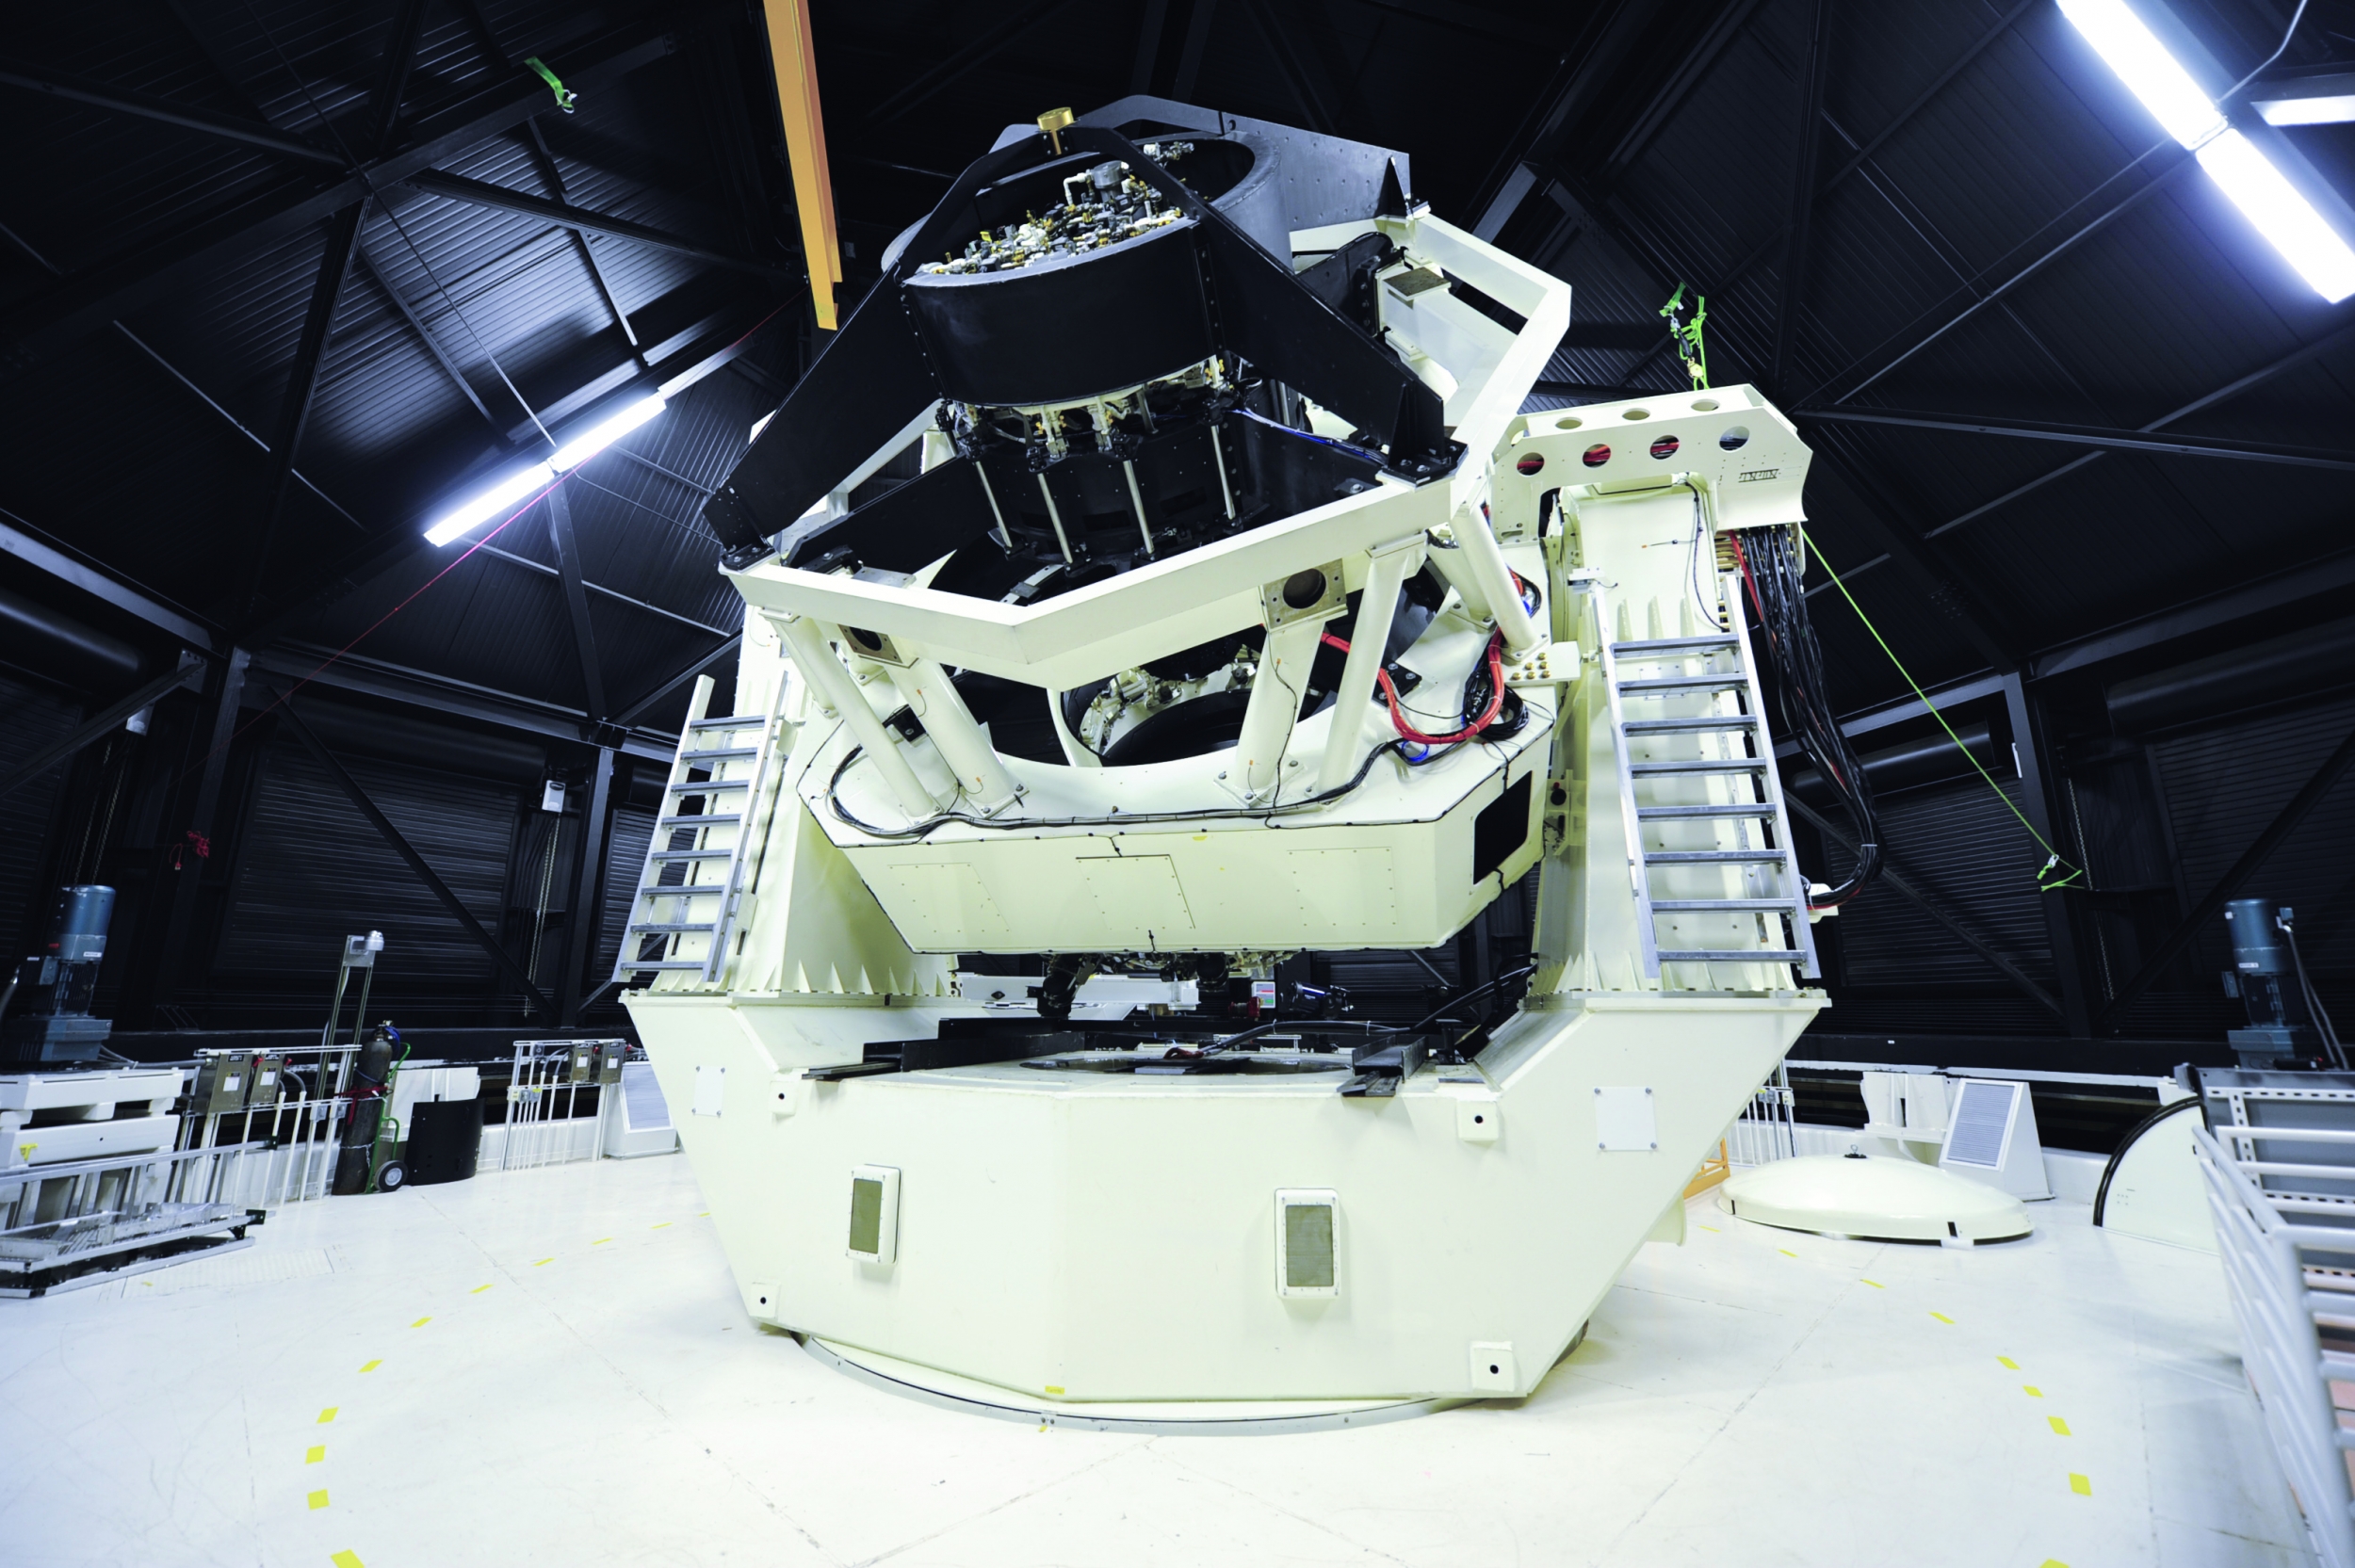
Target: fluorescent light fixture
(2327, 100)
(604, 433)
(2307, 111)
(2281, 213)
(483, 508)
(2129, 47)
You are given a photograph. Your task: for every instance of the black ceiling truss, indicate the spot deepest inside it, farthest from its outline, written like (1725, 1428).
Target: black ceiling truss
(2087, 435)
(84, 303)
(459, 189)
(560, 513)
(1803, 197)
(302, 385)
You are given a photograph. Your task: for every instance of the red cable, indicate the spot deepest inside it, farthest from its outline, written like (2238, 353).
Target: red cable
(1398, 715)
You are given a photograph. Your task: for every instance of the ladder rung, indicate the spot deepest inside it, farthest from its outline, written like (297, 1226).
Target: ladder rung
(1734, 955)
(1671, 644)
(711, 819)
(674, 926)
(1652, 814)
(741, 722)
(721, 755)
(705, 786)
(681, 890)
(632, 965)
(1726, 906)
(691, 854)
(1732, 680)
(1713, 857)
(1714, 721)
(1737, 765)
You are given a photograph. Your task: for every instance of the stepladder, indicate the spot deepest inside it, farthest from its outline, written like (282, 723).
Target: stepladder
(1710, 854)
(694, 897)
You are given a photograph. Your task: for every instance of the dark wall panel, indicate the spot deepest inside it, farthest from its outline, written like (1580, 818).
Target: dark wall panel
(312, 868)
(29, 720)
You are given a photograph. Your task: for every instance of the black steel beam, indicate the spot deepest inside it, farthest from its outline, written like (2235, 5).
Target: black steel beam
(1895, 879)
(1855, 378)
(45, 558)
(97, 95)
(701, 665)
(1292, 68)
(560, 512)
(87, 301)
(1149, 31)
(425, 335)
(582, 916)
(599, 588)
(98, 727)
(225, 690)
(2088, 435)
(300, 665)
(2285, 823)
(458, 188)
(1189, 56)
(407, 852)
(302, 383)
(400, 54)
(2331, 576)
(968, 57)
(1804, 175)
(2031, 756)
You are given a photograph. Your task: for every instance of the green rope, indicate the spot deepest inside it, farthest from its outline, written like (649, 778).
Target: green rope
(565, 99)
(2046, 881)
(1687, 336)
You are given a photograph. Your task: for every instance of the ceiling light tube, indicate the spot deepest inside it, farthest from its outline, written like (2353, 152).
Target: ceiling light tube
(472, 514)
(2279, 211)
(2129, 47)
(604, 433)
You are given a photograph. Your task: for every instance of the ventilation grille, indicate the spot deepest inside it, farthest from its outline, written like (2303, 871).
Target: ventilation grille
(1980, 1118)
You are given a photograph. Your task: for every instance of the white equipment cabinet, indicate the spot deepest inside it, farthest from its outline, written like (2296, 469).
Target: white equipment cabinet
(1321, 1233)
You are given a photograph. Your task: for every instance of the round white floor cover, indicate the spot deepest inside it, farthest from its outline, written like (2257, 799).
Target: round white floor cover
(1893, 1200)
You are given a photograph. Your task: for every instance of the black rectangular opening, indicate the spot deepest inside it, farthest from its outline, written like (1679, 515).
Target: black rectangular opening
(1501, 827)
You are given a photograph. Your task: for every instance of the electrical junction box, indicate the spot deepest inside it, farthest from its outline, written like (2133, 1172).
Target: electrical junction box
(223, 1082)
(874, 1214)
(552, 794)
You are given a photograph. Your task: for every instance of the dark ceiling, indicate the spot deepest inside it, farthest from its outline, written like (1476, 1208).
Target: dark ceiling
(365, 234)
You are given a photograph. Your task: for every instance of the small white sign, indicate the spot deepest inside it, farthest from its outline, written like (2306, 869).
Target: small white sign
(552, 794)
(1624, 1122)
(711, 1089)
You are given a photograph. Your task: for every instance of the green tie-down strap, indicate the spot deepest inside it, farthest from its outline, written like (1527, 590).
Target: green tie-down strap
(565, 99)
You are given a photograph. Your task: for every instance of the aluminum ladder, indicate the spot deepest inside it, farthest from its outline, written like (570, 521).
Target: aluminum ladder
(1727, 753)
(734, 755)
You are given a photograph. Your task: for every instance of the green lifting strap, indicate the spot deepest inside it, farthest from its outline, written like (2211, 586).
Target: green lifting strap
(565, 99)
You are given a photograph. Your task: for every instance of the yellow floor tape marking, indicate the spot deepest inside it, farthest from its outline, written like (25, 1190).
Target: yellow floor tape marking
(2054, 1562)
(544, 1263)
(1712, 1230)
(1875, 1284)
(600, 1242)
(421, 1322)
(1053, 1387)
(351, 1560)
(312, 1456)
(2081, 1485)
(2060, 1428)
(371, 1367)
(664, 1226)
(1786, 1251)
(2006, 1361)
(329, 1413)
(704, 1215)
(481, 1288)
(1943, 1319)
(318, 1500)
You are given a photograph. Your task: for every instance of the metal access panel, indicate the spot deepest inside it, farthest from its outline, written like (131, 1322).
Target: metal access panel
(874, 1236)
(269, 1067)
(1308, 1242)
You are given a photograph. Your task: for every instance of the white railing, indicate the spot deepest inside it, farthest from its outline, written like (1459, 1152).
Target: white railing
(2286, 1280)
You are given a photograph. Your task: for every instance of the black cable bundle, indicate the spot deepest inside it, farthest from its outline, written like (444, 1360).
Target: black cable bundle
(1772, 570)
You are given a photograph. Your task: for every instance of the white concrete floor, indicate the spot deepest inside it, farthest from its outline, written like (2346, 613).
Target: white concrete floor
(550, 1368)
